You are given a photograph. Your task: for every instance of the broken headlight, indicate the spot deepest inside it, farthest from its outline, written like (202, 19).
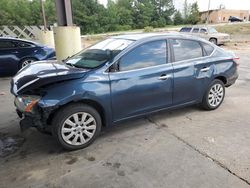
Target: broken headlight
(26, 103)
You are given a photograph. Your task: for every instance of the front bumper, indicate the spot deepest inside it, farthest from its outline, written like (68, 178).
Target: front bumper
(38, 119)
(30, 120)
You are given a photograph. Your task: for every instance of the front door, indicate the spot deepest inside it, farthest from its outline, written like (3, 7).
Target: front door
(143, 82)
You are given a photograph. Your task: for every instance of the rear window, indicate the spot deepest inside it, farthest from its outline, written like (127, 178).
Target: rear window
(186, 49)
(6, 44)
(185, 29)
(208, 48)
(203, 31)
(24, 44)
(195, 30)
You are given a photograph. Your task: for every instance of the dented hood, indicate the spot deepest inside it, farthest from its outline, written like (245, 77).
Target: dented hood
(43, 73)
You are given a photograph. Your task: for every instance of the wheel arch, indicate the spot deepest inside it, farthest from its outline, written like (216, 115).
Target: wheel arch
(221, 78)
(213, 38)
(27, 57)
(96, 105)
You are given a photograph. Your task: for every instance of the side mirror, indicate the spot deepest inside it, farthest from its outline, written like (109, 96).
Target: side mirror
(114, 67)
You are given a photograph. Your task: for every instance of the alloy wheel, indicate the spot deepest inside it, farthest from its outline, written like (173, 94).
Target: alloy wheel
(215, 95)
(26, 62)
(78, 129)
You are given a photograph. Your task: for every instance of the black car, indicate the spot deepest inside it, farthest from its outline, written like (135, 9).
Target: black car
(235, 19)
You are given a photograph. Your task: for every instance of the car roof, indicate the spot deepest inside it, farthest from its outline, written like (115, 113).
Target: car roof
(198, 26)
(142, 36)
(138, 36)
(18, 39)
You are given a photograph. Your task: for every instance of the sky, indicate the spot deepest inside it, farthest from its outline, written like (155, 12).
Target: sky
(214, 4)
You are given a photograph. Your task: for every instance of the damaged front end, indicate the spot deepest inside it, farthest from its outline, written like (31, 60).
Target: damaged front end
(31, 84)
(31, 114)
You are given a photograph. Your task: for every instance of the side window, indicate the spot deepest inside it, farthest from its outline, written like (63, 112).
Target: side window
(203, 31)
(24, 45)
(195, 30)
(208, 48)
(146, 55)
(186, 49)
(6, 45)
(185, 29)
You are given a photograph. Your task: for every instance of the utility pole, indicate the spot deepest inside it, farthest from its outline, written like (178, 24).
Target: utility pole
(207, 22)
(43, 15)
(45, 36)
(64, 13)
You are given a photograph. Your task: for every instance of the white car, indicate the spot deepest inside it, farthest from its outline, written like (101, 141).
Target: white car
(208, 33)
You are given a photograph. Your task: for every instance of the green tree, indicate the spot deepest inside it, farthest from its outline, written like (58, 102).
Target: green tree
(88, 14)
(50, 11)
(125, 14)
(25, 12)
(91, 16)
(164, 11)
(112, 16)
(194, 16)
(143, 13)
(178, 18)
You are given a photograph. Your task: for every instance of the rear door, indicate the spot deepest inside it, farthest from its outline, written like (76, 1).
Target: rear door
(26, 49)
(185, 55)
(143, 82)
(204, 33)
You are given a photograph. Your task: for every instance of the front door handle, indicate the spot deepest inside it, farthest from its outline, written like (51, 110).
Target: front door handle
(205, 69)
(164, 77)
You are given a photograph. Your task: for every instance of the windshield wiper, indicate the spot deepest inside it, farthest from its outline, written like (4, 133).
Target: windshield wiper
(77, 66)
(70, 64)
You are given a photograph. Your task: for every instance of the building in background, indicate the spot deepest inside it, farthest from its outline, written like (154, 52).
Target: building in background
(223, 15)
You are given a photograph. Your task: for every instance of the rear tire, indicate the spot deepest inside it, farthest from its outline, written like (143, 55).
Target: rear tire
(214, 95)
(213, 40)
(76, 126)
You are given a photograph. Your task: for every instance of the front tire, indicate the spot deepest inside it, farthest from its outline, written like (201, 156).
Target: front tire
(26, 62)
(214, 95)
(76, 126)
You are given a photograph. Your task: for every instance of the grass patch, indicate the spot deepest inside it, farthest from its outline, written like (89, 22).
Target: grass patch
(234, 29)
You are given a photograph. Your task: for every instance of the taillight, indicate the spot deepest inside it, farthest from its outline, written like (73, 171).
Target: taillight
(236, 60)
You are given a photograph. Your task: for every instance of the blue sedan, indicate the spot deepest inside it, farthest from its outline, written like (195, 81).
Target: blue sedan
(17, 53)
(120, 78)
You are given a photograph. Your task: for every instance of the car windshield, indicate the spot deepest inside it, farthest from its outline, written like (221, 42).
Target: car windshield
(212, 30)
(98, 54)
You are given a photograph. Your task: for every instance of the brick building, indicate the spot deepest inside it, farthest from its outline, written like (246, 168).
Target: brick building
(222, 15)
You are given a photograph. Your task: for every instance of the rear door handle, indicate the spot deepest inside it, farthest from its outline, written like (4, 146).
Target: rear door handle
(164, 77)
(205, 69)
